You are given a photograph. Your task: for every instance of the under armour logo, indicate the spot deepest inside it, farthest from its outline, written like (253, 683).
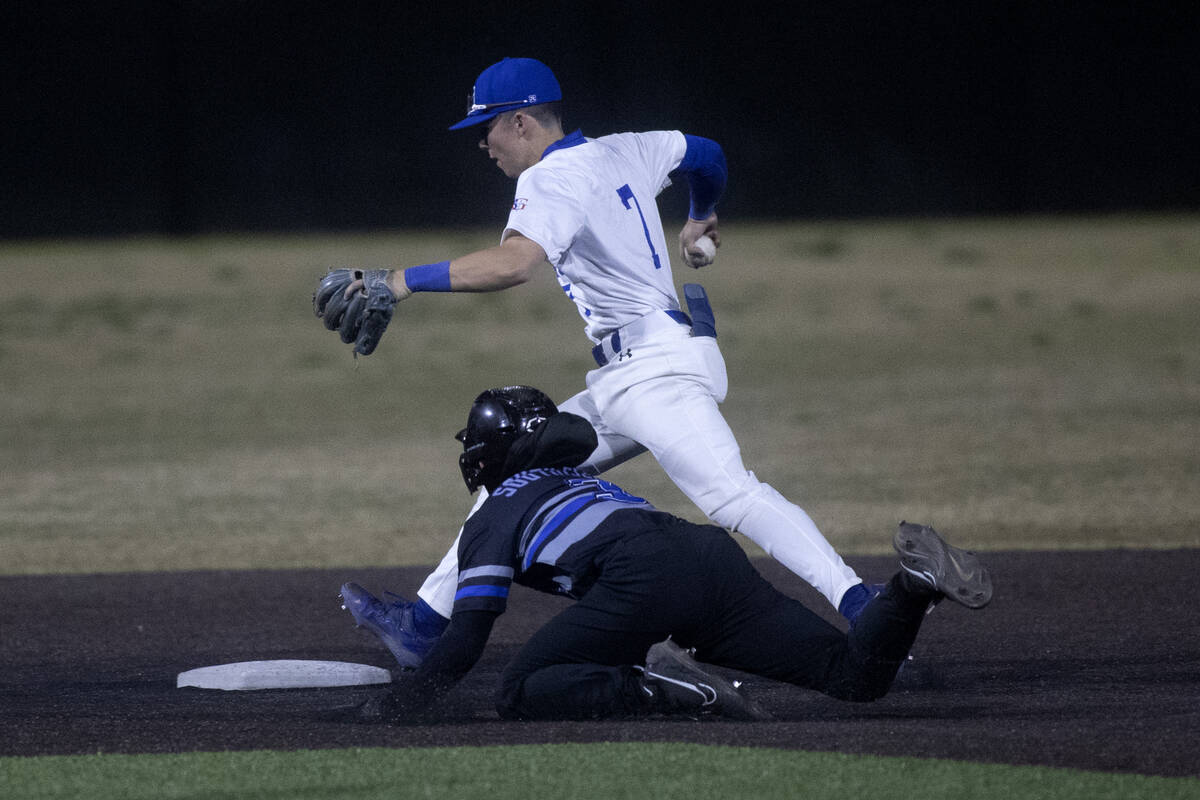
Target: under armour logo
(624, 355)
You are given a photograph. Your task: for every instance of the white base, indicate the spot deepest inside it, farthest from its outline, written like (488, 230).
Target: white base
(285, 674)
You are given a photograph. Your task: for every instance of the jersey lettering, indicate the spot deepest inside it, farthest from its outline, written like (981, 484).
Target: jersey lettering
(510, 486)
(626, 194)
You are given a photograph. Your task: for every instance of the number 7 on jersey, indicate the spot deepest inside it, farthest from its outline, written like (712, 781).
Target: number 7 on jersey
(626, 194)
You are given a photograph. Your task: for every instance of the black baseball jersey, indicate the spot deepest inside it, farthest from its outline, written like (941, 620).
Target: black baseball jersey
(543, 528)
(641, 575)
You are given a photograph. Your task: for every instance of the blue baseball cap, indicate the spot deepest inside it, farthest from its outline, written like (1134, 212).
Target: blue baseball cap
(508, 85)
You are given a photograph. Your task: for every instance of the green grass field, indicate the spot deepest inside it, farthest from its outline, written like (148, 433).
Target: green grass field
(610, 771)
(174, 404)
(1020, 383)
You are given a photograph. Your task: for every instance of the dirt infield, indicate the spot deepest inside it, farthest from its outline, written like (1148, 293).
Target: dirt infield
(1084, 659)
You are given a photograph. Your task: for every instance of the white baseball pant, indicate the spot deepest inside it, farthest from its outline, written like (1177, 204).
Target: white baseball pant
(660, 392)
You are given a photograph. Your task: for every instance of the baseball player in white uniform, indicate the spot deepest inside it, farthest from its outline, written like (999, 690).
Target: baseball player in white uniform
(588, 207)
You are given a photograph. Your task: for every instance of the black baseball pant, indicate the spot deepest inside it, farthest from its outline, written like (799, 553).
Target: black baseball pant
(694, 583)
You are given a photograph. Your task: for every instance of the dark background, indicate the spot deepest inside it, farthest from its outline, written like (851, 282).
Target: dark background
(182, 117)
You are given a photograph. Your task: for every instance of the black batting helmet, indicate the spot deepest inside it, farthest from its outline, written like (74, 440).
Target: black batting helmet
(498, 417)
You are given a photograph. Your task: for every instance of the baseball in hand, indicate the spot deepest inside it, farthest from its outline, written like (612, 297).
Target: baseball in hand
(701, 253)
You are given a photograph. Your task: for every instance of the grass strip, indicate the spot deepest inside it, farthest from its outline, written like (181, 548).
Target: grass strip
(610, 770)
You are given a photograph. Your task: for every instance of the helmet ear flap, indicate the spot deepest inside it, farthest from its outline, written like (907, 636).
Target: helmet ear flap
(476, 466)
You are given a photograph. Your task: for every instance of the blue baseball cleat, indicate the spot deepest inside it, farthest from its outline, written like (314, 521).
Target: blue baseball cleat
(408, 629)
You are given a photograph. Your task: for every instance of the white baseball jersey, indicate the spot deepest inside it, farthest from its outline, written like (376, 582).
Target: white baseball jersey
(591, 205)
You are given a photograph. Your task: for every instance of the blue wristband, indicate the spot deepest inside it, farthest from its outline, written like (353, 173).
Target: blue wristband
(429, 277)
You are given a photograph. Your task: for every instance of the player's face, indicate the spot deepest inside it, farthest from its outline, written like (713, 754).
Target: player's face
(502, 143)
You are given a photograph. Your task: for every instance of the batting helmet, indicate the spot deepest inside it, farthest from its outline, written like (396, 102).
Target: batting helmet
(497, 419)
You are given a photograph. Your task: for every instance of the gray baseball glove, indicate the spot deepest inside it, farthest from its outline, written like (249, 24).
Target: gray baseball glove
(357, 304)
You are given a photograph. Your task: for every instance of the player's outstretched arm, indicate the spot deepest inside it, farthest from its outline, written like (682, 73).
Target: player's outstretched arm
(509, 264)
(359, 304)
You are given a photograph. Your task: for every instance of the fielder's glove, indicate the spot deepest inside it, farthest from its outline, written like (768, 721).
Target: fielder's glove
(357, 304)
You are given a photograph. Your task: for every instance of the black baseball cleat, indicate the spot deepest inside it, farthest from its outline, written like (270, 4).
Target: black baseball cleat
(931, 562)
(676, 683)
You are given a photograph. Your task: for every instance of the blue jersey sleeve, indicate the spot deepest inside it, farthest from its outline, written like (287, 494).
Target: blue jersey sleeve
(704, 167)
